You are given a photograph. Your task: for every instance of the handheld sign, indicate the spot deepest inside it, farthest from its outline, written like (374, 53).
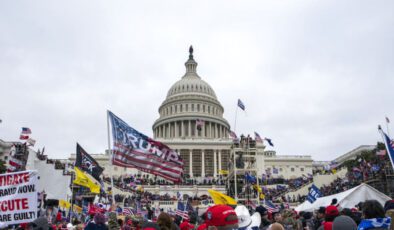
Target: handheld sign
(18, 197)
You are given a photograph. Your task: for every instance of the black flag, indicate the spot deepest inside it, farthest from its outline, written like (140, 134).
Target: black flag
(87, 163)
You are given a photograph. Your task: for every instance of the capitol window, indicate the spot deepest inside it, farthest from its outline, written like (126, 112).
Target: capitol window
(198, 107)
(192, 107)
(302, 169)
(292, 169)
(187, 107)
(209, 109)
(203, 108)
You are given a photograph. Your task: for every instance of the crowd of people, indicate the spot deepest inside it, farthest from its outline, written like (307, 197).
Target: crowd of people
(366, 215)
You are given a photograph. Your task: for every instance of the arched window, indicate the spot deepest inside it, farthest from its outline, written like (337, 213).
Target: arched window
(198, 107)
(192, 107)
(180, 108)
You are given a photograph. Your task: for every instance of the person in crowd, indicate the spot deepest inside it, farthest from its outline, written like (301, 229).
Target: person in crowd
(278, 218)
(319, 218)
(265, 223)
(164, 221)
(150, 226)
(288, 220)
(98, 223)
(113, 221)
(334, 201)
(306, 221)
(344, 223)
(389, 211)
(374, 216)
(276, 226)
(331, 213)
(221, 217)
(186, 225)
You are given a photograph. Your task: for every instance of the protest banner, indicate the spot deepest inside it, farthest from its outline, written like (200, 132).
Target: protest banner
(18, 197)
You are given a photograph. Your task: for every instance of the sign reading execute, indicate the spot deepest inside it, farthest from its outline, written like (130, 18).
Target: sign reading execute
(18, 197)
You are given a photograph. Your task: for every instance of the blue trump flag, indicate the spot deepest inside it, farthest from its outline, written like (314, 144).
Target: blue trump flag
(389, 146)
(313, 194)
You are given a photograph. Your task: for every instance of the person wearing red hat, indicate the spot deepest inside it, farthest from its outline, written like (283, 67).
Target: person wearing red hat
(331, 213)
(185, 225)
(222, 217)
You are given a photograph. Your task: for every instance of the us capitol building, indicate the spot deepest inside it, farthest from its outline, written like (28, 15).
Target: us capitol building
(206, 149)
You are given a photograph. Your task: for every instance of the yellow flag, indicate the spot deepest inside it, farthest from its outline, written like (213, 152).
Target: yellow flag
(223, 172)
(77, 209)
(220, 198)
(334, 171)
(83, 179)
(262, 196)
(64, 204)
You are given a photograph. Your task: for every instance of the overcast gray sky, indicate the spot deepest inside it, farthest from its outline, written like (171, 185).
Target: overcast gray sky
(315, 76)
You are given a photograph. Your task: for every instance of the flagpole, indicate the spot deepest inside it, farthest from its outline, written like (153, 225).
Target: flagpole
(387, 126)
(110, 159)
(72, 196)
(235, 120)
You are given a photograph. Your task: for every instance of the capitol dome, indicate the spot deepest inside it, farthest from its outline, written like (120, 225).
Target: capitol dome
(191, 109)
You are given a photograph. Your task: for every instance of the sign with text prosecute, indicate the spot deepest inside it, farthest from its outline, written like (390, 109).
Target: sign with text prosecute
(18, 197)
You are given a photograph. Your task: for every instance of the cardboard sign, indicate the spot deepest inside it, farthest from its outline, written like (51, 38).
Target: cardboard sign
(18, 197)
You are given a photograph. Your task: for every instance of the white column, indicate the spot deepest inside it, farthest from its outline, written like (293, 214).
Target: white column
(203, 131)
(203, 163)
(220, 159)
(176, 129)
(191, 162)
(190, 129)
(215, 171)
(182, 129)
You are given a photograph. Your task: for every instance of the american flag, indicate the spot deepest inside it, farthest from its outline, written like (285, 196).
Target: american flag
(182, 211)
(252, 204)
(127, 211)
(233, 135)
(270, 206)
(135, 150)
(200, 122)
(26, 130)
(241, 104)
(257, 138)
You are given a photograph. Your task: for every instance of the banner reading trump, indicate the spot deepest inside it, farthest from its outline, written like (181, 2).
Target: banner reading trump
(18, 197)
(133, 149)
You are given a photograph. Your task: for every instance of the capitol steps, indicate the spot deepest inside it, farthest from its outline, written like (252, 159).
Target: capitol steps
(319, 180)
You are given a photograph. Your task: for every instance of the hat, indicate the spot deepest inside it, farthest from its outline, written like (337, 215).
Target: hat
(388, 205)
(203, 226)
(185, 225)
(150, 226)
(40, 223)
(263, 211)
(321, 210)
(344, 223)
(244, 219)
(332, 210)
(220, 215)
(256, 221)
